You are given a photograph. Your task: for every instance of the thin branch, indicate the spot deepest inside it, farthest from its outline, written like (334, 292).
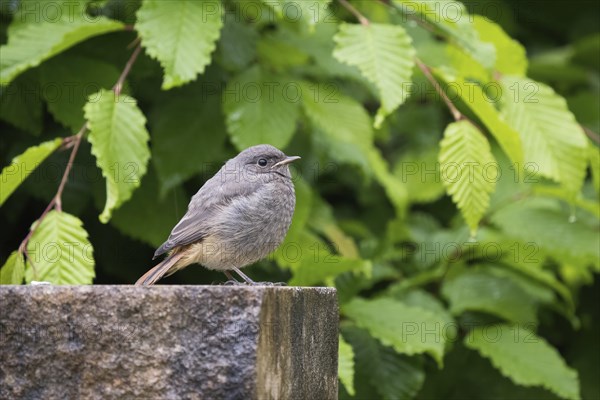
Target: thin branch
(119, 85)
(63, 181)
(72, 142)
(361, 18)
(427, 72)
(594, 137)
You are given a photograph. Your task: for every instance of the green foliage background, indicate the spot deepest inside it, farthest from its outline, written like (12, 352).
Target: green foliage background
(463, 239)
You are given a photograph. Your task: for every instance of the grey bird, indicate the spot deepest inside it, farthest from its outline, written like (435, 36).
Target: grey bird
(238, 217)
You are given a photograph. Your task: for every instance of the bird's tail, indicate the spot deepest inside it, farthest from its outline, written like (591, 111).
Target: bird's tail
(164, 268)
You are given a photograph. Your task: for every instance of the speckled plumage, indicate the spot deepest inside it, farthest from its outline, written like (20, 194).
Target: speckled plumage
(238, 217)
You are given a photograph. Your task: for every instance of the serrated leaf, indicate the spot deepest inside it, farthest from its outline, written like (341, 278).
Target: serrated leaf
(13, 270)
(551, 137)
(391, 375)
(511, 58)
(451, 20)
(481, 105)
(259, 109)
(59, 251)
(188, 134)
(346, 365)
(23, 165)
(181, 35)
(467, 375)
(552, 232)
(21, 104)
(400, 326)
(481, 290)
(422, 299)
(464, 154)
(68, 81)
(525, 358)
(31, 43)
(384, 55)
(120, 144)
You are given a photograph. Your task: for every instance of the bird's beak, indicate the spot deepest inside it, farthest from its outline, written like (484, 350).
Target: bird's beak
(286, 161)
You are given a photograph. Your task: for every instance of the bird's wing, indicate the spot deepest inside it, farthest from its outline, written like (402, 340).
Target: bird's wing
(212, 197)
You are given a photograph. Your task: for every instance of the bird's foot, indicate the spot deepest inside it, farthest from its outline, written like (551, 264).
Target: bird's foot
(233, 282)
(268, 284)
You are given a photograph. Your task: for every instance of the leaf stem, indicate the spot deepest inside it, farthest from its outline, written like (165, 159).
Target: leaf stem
(65, 177)
(427, 72)
(361, 18)
(119, 85)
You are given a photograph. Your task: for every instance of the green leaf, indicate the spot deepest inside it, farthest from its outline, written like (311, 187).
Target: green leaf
(384, 55)
(422, 299)
(346, 365)
(464, 156)
(120, 144)
(460, 63)
(13, 270)
(511, 58)
(409, 330)
(237, 44)
(319, 45)
(21, 104)
(304, 200)
(343, 123)
(68, 81)
(31, 43)
(451, 20)
(261, 108)
(60, 252)
(552, 231)
(395, 189)
(482, 106)
(391, 375)
(188, 134)
(147, 217)
(419, 171)
(551, 137)
(312, 262)
(525, 358)
(310, 12)
(323, 221)
(23, 165)
(278, 54)
(482, 290)
(181, 35)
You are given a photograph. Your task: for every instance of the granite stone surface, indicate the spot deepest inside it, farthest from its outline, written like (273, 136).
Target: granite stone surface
(168, 342)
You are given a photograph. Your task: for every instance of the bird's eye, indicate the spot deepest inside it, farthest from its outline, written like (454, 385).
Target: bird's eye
(262, 162)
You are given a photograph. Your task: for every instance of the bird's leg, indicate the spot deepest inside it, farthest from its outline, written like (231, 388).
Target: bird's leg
(244, 276)
(231, 279)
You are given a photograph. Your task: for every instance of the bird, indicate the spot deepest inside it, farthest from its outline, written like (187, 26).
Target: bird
(238, 217)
